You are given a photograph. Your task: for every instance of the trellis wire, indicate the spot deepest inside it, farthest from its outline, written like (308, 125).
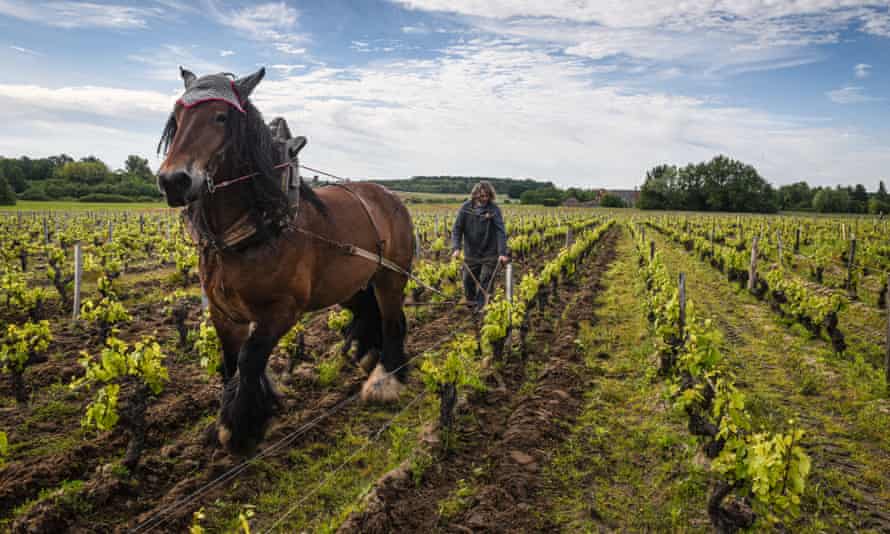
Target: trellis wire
(346, 462)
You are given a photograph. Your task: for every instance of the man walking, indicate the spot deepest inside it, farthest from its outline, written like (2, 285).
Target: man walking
(480, 226)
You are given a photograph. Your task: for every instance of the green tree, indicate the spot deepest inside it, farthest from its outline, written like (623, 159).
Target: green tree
(829, 200)
(7, 195)
(612, 201)
(882, 192)
(859, 199)
(796, 196)
(138, 166)
(548, 196)
(656, 192)
(89, 172)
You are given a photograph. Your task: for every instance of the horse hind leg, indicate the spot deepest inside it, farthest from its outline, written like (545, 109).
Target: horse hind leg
(388, 378)
(365, 328)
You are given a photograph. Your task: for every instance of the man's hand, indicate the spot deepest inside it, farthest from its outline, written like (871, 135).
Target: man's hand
(455, 254)
(503, 259)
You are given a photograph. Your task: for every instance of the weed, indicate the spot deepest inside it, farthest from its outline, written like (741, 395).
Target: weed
(329, 370)
(458, 501)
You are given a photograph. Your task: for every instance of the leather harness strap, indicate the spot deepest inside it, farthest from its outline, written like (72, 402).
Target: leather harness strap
(364, 204)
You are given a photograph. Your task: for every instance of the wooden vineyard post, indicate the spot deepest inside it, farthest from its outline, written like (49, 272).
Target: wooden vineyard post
(141, 224)
(643, 230)
(508, 274)
(417, 248)
(712, 240)
(779, 245)
(78, 274)
(887, 353)
(110, 231)
(850, 264)
(651, 250)
(568, 237)
(436, 229)
(45, 232)
(797, 240)
(682, 305)
(844, 231)
(752, 269)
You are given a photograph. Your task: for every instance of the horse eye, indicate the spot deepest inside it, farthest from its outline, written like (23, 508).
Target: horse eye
(221, 117)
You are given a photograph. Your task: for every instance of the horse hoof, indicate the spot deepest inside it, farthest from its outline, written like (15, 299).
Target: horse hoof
(381, 386)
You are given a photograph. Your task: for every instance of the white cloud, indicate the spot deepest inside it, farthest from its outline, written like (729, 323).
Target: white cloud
(263, 21)
(24, 50)
(287, 48)
(286, 69)
(378, 46)
(712, 37)
(103, 101)
(43, 138)
(862, 70)
(273, 23)
(416, 30)
(108, 122)
(641, 13)
(504, 109)
(66, 14)
(483, 107)
(161, 64)
(876, 23)
(226, 53)
(851, 94)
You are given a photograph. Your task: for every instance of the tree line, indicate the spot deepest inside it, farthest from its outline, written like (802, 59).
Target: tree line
(841, 199)
(64, 178)
(725, 184)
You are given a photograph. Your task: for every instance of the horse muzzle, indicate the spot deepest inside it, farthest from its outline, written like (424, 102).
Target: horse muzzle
(177, 187)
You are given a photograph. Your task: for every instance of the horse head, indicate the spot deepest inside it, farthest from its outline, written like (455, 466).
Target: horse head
(195, 137)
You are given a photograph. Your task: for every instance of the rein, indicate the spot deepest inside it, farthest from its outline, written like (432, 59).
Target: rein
(212, 187)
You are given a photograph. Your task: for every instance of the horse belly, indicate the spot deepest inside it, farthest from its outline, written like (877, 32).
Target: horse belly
(334, 284)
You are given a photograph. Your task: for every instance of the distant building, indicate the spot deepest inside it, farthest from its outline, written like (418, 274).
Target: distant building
(630, 197)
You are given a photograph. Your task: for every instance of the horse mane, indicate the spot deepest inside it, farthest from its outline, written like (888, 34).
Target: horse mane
(249, 145)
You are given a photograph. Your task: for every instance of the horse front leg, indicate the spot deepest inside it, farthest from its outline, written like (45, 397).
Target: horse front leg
(249, 402)
(231, 337)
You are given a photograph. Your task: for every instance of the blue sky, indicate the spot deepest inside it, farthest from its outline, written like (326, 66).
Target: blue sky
(581, 93)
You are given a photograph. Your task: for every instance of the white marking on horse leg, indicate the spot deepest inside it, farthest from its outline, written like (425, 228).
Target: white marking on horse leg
(381, 386)
(369, 360)
(223, 434)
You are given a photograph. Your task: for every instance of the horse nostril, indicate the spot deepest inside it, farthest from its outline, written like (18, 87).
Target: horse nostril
(179, 180)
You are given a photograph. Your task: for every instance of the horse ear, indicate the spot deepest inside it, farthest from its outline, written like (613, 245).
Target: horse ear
(247, 84)
(188, 77)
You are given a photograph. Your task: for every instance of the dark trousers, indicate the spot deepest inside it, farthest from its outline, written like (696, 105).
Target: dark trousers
(482, 270)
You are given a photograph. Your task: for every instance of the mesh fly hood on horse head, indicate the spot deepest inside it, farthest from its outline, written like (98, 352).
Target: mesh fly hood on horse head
(221, 87)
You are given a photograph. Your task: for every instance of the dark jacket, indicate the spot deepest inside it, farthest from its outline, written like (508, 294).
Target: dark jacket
(481, 229)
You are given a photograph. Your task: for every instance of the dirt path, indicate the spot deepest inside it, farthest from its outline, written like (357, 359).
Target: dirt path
(491, 479)
(789, 375)
(70, 484)
(629, 464)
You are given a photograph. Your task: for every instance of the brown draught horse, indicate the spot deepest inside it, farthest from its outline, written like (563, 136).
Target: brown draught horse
(266, 259)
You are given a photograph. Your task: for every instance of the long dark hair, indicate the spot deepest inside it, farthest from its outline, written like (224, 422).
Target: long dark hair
(249, 148)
